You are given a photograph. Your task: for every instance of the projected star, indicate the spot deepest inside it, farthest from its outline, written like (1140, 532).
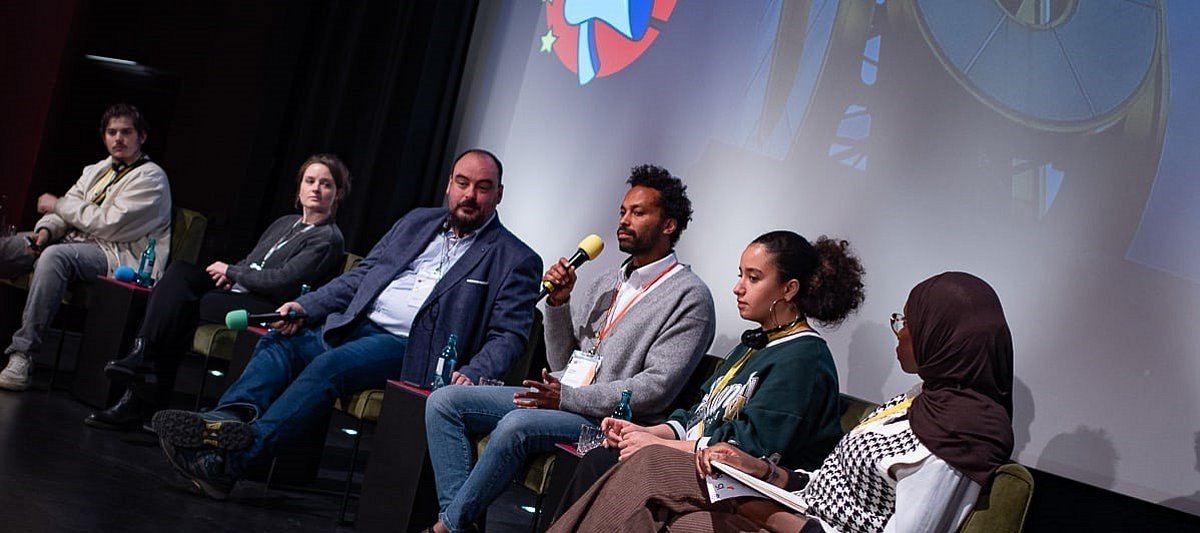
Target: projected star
(548, 40)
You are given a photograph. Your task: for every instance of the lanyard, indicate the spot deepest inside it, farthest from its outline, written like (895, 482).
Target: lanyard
(737, 367)
(116, 176)
(281, 243)
(609, 324)
(902, 406)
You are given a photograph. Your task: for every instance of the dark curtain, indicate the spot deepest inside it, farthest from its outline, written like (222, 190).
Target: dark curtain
(376, 83)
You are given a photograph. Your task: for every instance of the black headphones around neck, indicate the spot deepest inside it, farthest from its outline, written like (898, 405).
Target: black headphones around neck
(757, 338)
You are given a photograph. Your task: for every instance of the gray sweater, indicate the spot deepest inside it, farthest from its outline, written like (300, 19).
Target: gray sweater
(310, 257)
(652, 351)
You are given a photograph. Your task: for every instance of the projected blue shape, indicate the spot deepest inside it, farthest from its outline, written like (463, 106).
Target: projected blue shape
(630, 18)
(870, 64)
(1168, 236)
(759, 125)
(1080, 70)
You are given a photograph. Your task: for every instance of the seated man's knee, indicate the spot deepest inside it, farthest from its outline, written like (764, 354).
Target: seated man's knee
(446, 401)
(517, 423)
(53, 257)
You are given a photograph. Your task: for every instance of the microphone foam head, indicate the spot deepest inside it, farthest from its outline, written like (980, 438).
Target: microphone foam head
(592, 245)
(124, 273)
(237, 320)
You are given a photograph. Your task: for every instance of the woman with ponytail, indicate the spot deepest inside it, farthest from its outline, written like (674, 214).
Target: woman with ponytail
(776, 394)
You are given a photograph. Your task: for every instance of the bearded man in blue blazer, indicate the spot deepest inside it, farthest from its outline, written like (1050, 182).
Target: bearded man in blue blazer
(437, 272)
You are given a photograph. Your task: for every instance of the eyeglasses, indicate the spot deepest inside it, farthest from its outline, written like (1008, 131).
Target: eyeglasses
(898, 323)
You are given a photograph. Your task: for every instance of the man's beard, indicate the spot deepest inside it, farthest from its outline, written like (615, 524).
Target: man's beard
(466, 225)
(634, 245)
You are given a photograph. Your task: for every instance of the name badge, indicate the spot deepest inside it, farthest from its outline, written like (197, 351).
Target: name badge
(421, 289)
(581, 370)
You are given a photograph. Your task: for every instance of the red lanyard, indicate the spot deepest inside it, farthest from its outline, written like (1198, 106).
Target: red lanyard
(621, 314)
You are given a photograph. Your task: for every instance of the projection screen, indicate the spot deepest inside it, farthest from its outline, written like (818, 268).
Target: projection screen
(1048, 147)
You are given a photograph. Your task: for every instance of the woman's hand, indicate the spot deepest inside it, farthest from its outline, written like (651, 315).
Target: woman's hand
(732, 456)
(636, 440)
(615, 429)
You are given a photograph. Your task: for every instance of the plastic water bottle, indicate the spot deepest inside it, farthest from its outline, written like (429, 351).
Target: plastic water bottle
(146, 265)
(446, 362)
(623, 411)
(304, 289)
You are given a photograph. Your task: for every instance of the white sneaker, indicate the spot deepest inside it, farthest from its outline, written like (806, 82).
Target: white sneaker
(18, 374)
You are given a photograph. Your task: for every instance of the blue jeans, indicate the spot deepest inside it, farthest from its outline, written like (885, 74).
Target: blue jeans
(291, 380)
(454, 413)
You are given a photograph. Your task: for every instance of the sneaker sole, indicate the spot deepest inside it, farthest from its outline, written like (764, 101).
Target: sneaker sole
(187, 429)
(207, 488)
(210, 490)
(14, 385)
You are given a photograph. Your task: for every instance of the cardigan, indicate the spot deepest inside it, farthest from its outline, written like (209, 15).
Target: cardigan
(134, 210)
(651, 351)
(309, 257)
(792, 410)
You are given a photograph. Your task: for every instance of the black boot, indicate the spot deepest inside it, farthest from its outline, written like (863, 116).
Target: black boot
(125, 415)
(136, 365)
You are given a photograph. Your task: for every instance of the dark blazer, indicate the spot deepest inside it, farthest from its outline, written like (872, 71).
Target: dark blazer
(487, 297)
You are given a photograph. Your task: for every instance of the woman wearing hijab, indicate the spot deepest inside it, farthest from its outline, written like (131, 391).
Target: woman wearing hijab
(917, 463)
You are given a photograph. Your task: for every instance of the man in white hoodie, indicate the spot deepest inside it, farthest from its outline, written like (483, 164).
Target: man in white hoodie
(105, 220)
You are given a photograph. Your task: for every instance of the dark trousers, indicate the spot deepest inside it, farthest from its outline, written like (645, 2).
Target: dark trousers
(592, 467)
(184, 297)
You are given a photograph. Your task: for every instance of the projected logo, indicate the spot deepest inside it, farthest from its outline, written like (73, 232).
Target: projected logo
(598, 38)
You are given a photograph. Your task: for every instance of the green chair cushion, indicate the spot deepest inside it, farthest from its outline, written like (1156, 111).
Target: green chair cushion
(1002, 507)
(214, 340)
(535, 476)
(853, 410)
(364, 405)
(187, 234)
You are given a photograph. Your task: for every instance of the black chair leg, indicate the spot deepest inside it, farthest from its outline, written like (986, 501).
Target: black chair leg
(350, 473)
(62, 339)
(203, 380)
(537, 512)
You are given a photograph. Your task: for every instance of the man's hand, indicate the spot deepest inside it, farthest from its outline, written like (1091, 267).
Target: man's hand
(543, 395)
(287, 327)
(46, 203)
(41, 237)
(732, 456)
(456, 378)
(562, 275)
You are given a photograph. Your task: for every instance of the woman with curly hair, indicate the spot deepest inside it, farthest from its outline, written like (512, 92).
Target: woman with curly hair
(776, 394)
(916, 463)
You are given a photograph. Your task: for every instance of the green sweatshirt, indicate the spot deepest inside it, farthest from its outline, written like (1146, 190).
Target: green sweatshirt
(791, 409)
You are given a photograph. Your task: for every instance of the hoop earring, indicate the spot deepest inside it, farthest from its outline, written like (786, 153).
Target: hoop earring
(757, 338)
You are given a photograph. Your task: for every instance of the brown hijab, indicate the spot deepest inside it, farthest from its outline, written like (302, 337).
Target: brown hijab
(964, 356)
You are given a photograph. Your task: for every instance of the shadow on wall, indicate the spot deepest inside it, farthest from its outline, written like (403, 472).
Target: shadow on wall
(1189, 503)
(1022, 416)
(871, 359)
(1085, 445)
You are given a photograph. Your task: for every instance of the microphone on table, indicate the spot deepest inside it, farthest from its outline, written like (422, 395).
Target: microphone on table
(589, 248)
(124, 273)
(240, 319)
